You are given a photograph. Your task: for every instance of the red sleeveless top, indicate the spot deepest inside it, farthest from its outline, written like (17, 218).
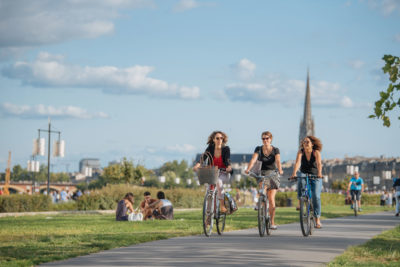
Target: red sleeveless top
(219, 162)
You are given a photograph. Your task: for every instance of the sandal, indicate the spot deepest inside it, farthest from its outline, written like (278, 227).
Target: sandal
(273, 227)
(318, 226)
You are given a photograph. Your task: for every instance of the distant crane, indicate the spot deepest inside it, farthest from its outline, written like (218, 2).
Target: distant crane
(7, 182)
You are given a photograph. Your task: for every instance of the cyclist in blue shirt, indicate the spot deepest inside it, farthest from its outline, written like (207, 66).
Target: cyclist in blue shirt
(356, 187)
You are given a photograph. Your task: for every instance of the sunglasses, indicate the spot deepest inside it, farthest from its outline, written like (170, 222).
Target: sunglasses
(306, 142)
(219, 138)
(265, 138)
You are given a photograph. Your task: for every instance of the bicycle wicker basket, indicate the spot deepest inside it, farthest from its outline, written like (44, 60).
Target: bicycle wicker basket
(208, 174)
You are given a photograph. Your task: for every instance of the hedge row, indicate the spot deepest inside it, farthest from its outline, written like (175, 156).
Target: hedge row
(108, 197)
(24, 203)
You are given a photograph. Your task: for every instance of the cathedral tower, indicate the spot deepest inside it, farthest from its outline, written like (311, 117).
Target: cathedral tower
(307, 123)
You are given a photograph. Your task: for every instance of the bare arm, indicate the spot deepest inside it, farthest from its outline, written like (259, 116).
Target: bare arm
(278, 163)
(128, 204)
(252, 162)
(297, 164)
(319, 163)
(156, 205)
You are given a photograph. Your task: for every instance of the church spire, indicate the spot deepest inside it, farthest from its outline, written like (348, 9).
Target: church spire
(307, 123)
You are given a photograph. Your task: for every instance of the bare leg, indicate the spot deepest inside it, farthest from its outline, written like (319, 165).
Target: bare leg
(271, 198)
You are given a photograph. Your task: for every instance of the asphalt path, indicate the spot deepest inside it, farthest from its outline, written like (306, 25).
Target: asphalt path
(284, 247)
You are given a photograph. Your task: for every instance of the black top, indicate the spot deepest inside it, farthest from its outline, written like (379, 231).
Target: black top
(121, 213)
(310, 166)
(268, 162)
(225, 151)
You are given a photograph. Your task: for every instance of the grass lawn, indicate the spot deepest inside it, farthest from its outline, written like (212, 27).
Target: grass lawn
(382, 250)
(30, 240)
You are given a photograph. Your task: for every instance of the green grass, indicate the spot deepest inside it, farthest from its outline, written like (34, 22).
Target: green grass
(30, 240)
(382, 250)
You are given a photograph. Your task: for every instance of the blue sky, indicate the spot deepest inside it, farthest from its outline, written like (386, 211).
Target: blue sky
(149, 80)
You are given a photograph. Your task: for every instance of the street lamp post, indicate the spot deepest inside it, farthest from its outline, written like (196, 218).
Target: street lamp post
(59, 150)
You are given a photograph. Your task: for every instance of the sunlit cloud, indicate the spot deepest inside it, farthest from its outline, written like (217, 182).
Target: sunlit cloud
(51, 71)
(41, 111)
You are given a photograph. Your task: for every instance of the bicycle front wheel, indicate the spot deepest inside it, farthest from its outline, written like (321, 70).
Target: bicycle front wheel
(261, 215)
(208, 213)
(305, 216)
(355, 206)
(267, 218)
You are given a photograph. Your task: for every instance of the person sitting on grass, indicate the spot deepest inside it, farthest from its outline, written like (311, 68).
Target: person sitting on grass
(162, 208)
(124, 206)
(144, 206)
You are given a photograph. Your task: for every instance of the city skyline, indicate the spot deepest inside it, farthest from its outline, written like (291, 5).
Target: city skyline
(150, 80)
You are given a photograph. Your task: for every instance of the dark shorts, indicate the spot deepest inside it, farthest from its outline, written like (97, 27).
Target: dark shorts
(357, 193)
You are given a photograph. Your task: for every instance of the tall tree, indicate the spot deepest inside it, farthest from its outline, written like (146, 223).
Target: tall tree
(389, 99)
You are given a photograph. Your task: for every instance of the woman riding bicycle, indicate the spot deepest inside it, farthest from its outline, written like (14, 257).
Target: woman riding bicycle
(271, 160)
(221, 157)
(309, 156)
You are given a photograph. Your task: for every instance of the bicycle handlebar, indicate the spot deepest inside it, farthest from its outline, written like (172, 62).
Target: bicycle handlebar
(312, 177)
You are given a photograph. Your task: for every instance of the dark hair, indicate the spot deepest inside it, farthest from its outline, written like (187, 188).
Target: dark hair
(129, 195)
(317, 144)
(210, 139)
(147, 193)
(160, 195)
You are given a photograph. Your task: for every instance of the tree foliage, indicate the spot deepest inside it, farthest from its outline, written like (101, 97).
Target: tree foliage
(389, 99)
(125, 172)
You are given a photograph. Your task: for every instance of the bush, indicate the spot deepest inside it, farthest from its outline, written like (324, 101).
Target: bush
(24, 203)
(108, 197)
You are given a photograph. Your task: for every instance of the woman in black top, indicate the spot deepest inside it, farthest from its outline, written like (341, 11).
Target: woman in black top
(309, 160)
(270, 161)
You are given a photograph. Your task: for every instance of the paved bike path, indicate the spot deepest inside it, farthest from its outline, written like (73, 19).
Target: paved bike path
(285, 247)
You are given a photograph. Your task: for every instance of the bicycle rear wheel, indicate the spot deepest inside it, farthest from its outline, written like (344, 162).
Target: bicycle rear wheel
(220, 220)
(305, 220)
(261, 215)
(208, 213)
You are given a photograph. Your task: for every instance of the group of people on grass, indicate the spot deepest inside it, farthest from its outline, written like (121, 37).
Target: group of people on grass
(150, 208)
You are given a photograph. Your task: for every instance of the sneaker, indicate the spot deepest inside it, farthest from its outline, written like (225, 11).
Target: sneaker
(274, 227)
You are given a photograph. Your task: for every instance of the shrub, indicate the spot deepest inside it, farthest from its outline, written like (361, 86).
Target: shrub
(107, 197)
(24, 203)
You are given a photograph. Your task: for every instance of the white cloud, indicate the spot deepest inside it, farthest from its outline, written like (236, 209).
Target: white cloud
(50, 71)
(386, 7)
(184, 5)
(356, 64)
(182, 148)
(244, 69)
(288, 92)
(42, 111)
(32, 23)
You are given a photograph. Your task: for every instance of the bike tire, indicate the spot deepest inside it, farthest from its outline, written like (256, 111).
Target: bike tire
(267, 219)
(305, 222)
(261, 216)
(208, 212)
(355, 206)
(220, 222)
(312, 219)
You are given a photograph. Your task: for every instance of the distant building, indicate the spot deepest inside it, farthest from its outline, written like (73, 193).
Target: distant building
(89, 163)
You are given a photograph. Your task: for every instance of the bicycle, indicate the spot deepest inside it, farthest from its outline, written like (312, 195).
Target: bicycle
(211, 208)
(307, 222)
(354, 202)
(264, 218)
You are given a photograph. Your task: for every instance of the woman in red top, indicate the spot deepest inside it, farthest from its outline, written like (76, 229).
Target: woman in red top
(221, 157)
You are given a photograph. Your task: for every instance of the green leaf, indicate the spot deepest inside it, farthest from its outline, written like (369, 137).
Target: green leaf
(372, 116)
(386, 121)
